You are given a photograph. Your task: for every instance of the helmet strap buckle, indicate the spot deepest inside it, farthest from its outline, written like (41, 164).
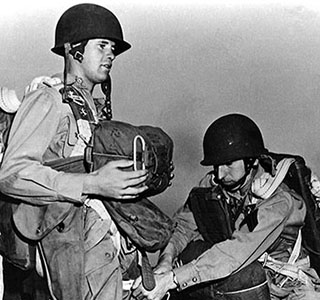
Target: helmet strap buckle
(77, 50)
(78, 56)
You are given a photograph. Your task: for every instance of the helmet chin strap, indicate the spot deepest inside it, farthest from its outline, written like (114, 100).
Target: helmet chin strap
(67, 49)
(237, 185)
(77, 50)
(106, 89)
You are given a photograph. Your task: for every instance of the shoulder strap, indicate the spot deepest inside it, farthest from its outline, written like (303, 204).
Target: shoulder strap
(264, 186)
(84, 118)
(78, 104)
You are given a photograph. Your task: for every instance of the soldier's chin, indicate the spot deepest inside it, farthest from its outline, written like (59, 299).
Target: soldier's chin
(230, 185)
(227, 183)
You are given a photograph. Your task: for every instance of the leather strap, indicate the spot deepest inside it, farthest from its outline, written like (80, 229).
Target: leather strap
(148, 280)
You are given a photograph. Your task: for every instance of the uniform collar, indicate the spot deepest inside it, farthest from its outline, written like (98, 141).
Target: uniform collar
(72, 80)
(77, 82)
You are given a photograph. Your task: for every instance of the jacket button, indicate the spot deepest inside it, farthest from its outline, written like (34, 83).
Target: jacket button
(60, 227)
(219, 197)
(133, 218)
(184, 284)
(194, 279)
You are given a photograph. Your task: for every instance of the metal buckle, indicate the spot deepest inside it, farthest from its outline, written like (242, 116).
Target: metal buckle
(166, 296)
(139, 138)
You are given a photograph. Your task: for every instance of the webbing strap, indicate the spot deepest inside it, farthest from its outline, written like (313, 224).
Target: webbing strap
(84, 118)
(147, 276)
(246, 290)
(291, 268)
(46, 270)
(296, 249)
(264, 186)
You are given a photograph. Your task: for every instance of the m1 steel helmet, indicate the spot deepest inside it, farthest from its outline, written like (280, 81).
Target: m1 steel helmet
(232, 137)
(88, 21)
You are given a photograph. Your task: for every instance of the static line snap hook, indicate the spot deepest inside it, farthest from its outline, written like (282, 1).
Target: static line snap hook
(136, 139)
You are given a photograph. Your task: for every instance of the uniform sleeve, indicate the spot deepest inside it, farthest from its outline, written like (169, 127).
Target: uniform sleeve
(244, 247)
(23, 175)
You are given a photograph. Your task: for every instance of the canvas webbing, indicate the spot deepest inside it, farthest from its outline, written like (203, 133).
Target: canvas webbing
(266, 185)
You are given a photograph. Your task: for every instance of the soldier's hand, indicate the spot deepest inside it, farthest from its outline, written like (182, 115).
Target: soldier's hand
(113, 180)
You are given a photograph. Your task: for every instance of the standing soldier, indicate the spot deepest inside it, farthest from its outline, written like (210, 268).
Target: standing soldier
(81, 244)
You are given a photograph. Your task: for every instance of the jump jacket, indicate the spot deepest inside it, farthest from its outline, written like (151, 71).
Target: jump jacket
(51, 206)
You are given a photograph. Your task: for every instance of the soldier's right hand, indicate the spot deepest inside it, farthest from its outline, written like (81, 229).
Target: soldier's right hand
(165, 264)
(112, 180)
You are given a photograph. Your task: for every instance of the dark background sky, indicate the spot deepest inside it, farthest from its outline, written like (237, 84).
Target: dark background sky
(191, 62)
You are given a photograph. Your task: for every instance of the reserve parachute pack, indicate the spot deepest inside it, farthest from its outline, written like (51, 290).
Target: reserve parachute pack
(149, 147)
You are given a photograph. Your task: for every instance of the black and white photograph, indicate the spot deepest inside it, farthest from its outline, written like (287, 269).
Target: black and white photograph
(156, 150)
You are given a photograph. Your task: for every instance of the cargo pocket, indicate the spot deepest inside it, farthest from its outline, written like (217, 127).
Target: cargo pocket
(102, 267)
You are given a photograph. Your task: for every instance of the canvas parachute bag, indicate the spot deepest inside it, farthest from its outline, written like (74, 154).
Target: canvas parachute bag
(149, 147)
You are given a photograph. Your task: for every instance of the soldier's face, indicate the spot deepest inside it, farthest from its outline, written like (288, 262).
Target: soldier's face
(230, 174)
(97, 60)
